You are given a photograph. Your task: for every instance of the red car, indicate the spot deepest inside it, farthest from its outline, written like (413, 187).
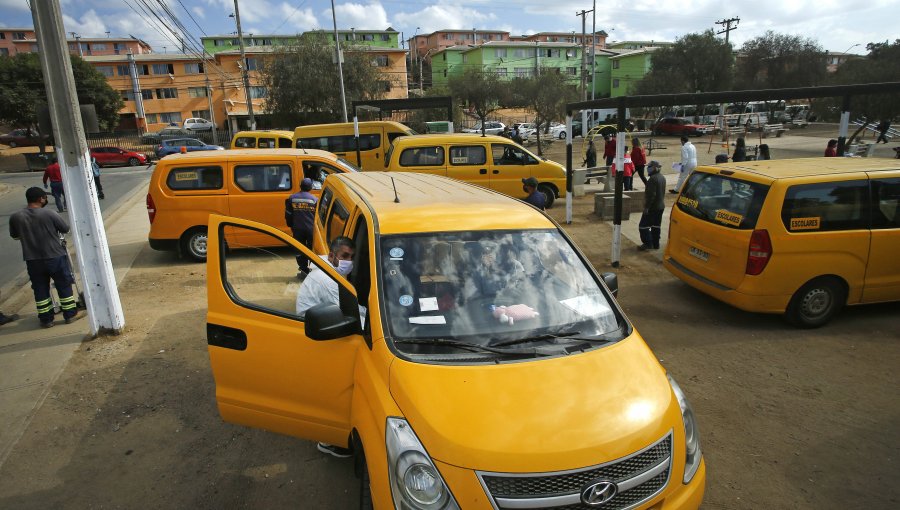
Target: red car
(676, 126)
(21, 138)
(116, 156)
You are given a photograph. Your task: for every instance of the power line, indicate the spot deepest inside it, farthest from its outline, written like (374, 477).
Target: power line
(728, 28)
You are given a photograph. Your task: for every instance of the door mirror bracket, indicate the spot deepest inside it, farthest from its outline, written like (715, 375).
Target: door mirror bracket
(326, 321)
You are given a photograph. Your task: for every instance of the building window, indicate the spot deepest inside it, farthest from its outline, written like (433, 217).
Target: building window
(615, 64)
(167, 93)
(448, 37)
(368, 37)
(384, 85)
(125, 70)
(445, 73)
(385, 37)
(34, 48)
(197, 92)
(500, 52)
(203, 114)
(381, 61)
(553, 53)
(252, 64)
(218, 42)
(99, 46)
(501, 72)
(18, 36)
(2, 35)
(107, 71)
(163, 118)
(523, 52)
(163, 69)
(195, 68)
(523, 72)
(444, 56)
(4, 52)
(257, 92)
(572, 71)
(465, 59)
(615, 83)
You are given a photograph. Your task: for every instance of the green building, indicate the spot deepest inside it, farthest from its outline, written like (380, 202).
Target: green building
(389, 38)
(446, 63)
(628, 68)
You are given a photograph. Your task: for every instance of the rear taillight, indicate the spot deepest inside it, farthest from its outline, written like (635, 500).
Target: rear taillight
(151, 208)
(759, 252)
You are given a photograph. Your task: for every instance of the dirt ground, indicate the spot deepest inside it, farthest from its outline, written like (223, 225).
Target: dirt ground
(788, 418)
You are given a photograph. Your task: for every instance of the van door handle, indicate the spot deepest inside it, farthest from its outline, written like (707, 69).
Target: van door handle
(223, 336)
(496, 171)
(376, 155)
(483, 171)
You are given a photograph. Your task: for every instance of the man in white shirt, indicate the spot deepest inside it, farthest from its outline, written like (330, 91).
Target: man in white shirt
(318, 287)
(688, 162)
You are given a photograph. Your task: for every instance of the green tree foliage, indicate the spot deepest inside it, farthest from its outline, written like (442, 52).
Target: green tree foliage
(881, 65)
(22, 92)
(775, 61)
(303, 85)
(547, 95)
(484, 92)
(697, 62)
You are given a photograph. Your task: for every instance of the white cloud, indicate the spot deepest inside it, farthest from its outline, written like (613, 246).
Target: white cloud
(371, 16)
(13, 5)
(439, 17)
(198, 11)
(296, 20)
(89, 25)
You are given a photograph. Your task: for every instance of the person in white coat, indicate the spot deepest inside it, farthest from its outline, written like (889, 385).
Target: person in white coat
(688, 162)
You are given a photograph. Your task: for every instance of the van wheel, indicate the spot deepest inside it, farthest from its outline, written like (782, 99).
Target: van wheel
(133, 162)
(365, 491)
(549, 194)
(816, 303)
(193, 243)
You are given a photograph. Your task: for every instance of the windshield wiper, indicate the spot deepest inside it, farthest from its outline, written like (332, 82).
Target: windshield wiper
(474, 347)
(567, 335)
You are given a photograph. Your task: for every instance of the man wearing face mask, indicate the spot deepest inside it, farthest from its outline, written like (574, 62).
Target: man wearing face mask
(318, 287)
(45, 257)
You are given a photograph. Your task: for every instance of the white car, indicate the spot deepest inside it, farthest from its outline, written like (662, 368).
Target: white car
(490, 128)
(198, 124)
(526, 129)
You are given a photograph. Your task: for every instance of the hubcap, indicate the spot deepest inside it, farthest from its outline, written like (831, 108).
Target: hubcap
(198, 244)
(816, 302)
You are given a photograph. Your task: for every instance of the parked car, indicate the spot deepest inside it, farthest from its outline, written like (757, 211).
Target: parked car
(20, 138)
(174, 146)
(167, 132)
(490, 128)
(117, 156)
(558, 130)
(676, 126)
(198, 124)
(526, 129)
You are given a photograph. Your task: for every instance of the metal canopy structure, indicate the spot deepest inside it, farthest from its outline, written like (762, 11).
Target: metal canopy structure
(731, 96)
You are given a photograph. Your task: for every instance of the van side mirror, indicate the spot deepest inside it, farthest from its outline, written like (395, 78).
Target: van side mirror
(612, 282)
(326, 321)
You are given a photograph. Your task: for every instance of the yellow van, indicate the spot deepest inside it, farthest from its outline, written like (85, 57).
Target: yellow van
(375, 138)
(470, 360)
(186, 188)
(490, 161)
(274, 139)
(799, 237)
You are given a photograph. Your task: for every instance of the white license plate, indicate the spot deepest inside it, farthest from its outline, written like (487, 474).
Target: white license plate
(700, 254)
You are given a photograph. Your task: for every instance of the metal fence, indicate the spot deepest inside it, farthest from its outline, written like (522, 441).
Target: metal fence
(133, 141)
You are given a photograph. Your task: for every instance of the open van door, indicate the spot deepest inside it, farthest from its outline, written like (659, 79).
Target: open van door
(269, 372)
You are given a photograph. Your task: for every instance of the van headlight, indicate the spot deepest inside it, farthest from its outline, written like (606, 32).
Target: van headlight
(691, 433)
(415, 482)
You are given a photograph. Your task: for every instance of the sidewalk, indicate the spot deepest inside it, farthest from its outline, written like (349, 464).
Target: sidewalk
(31, 358)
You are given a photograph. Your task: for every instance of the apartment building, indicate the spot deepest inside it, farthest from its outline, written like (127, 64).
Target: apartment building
(24, 40)
(11, 38)
(423, 46)
(628, 68)
(388, 38)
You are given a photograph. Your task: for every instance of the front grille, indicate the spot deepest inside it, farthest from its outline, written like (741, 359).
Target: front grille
(564, 486)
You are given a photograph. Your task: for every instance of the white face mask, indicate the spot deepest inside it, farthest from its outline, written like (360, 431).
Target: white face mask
(344, 267)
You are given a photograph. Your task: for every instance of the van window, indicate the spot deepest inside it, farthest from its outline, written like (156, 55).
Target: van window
(468, 155)
(718, 199)
(285, 143)
(266, 143)
(506, 154)
(885, 203)
(263, 177)
(324, 202)
(195, 177)
(337, 220)
(317, 172)
(340, 143)
(245, 142)
(422, 156)
(826, 206)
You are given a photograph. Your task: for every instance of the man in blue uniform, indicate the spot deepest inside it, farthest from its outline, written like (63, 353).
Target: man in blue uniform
(535, 197)
(299, 213)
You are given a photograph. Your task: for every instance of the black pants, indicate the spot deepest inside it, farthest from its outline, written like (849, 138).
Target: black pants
(639, 169)
(882, 136)
(41, 272)
(650, 227)
(305, 237)
(99, 187)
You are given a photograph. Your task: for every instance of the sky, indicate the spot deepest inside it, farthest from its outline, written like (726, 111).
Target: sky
(837, 26)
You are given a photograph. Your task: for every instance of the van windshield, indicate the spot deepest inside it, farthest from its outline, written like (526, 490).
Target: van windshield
(492, 289)
(722, 200)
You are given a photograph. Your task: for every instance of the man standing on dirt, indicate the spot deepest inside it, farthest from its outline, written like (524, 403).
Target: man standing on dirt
(688, 162)
(299, 211)
(609, 149)
(650, 226)
(45, 257)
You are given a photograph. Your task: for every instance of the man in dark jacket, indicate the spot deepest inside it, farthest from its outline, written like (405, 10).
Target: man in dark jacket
(654, 205)
(535, 197)
(299, 212)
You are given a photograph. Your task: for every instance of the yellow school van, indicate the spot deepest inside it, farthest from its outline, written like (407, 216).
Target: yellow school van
(186, 188)
(490, 161)
(375, 138)
(799, 237)
(468, 360)
(266, 139)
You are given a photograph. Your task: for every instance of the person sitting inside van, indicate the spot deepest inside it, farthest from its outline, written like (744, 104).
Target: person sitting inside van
(495, 272)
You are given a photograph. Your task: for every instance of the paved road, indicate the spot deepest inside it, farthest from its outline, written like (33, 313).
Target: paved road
(117, 183)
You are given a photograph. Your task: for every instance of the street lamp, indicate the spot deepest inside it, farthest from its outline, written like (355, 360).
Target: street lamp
(851, 47)
(337, 52)
(415, 44)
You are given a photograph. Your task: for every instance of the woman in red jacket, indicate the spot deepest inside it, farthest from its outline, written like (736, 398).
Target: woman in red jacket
(639, 158)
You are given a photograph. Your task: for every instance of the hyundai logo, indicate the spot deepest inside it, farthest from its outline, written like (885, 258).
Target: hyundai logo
(598, 493)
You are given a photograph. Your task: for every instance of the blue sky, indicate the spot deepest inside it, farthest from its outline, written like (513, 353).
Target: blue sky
(836, 25)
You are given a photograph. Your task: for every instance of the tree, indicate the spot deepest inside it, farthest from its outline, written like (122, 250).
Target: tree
(881, 65)
(22, 92)
(697, 62)
(546, 94)
(303, 85)
(775, 61)
(483, 91)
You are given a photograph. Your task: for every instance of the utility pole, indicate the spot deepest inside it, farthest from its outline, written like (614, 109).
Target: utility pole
(209, 101)
(583, 13)
(78, 43)
(138, 96)
(726, 23)
(340, 59)
(593, 47)
(244, 72)
(99, 282)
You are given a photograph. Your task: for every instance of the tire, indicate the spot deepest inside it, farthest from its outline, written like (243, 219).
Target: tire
(193, 244)
(133, 161)
(12, 145)
(816, 302)
(562, 135)
(365, 491)
(549, 194)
